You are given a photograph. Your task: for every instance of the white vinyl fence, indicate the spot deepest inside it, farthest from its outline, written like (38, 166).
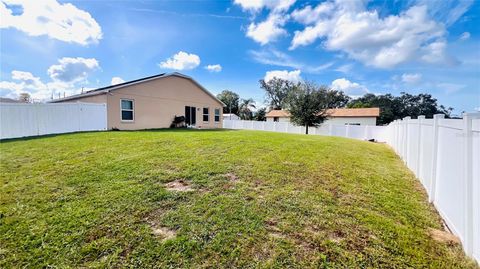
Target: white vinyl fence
(444, 154)
(362, 132)
(21, 120)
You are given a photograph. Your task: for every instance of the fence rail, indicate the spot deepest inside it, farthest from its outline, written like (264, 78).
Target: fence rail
(21, 120)
(444, 154)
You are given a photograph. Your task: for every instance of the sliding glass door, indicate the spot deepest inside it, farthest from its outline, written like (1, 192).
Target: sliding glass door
(190, 115)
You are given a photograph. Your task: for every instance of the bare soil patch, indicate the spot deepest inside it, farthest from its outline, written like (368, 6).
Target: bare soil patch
(443, 236)
(178, 185)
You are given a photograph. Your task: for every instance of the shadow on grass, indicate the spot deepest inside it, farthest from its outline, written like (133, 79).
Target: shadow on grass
(156, 130)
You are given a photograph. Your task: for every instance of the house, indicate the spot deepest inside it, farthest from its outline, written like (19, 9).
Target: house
(342, 116)
(230, 116)
(154, 102)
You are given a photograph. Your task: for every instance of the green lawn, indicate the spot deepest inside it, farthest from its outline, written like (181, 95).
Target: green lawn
(259, 199)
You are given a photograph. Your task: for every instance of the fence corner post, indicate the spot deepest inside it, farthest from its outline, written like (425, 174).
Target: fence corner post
(468, 181)
(436, 145)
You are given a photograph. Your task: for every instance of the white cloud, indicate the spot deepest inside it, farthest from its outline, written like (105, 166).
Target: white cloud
(293, 76)
(38, 90)
(465, 36)
(383, 42)
(346, 68)
(72, 69)
(278, 58)
(117, 80)
(350, 88)
(411, 78)
(450, 88)
(64, 22)
(268, 30)
(309, 15)
(214, 67)
(256, 5)
(181, 61)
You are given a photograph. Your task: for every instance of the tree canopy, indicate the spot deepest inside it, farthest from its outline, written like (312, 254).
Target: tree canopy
(231, 100)
(308, 104)
(398, 107)
(245, 109)
(276, 91)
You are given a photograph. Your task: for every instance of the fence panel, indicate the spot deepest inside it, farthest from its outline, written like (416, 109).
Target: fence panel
(443, 154)
(22, 120)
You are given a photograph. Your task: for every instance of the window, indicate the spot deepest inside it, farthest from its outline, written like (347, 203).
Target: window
(126, 109)
(205, 114)
(217, 114)
(275, 119)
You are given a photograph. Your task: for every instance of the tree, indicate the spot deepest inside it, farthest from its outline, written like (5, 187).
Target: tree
(245, 107)
(25, 97)
(276, 91)
(398, 107)
(260, 114)
(308, 104)
(336, 99)
(230, 99)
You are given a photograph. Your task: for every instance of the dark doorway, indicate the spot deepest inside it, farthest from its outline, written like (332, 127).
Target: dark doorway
(190, 115)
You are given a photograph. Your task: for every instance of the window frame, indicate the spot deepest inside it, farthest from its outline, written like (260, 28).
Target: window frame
(132, 110)
(208, 114)
(215, 115)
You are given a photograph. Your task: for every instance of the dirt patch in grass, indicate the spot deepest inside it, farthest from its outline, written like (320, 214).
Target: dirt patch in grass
(231, 176)
(179, 185)
(273, 230)
(163, 232)
(443, 236)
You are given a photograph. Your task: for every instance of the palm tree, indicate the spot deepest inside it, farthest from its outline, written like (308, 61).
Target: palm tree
(244, 110)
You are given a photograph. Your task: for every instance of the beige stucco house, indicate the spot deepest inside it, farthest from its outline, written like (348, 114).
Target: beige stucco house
(342, 116)
(153, 102)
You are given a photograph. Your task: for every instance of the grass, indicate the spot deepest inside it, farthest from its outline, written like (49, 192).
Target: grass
(260, 199)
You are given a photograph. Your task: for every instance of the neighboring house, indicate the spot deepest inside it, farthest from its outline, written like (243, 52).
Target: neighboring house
(230, 116)
(153, 102)
(343, 116)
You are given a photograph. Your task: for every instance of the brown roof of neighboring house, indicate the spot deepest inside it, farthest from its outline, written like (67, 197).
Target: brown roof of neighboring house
(354, 112)
(278, 113)
(336, 112)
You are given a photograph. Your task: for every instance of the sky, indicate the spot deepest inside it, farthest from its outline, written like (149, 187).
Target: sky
(54, 48)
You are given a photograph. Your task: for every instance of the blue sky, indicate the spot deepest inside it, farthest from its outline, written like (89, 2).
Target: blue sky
(355, 46)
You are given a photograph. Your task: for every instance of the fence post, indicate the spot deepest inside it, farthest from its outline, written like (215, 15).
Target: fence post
(405, 141)
(330, 129)
(436, 145)
(420, 148)
(347, 131)
(366, 132)
(468, 181)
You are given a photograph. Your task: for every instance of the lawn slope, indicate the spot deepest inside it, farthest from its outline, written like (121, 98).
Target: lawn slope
(256, 199)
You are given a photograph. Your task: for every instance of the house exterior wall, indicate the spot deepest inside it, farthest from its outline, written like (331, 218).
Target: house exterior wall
(372, 121)
(280, 119)
(158, 101)
(100, 99)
